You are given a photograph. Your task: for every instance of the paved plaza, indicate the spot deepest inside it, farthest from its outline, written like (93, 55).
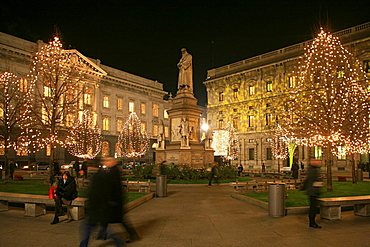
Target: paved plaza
(194, 216)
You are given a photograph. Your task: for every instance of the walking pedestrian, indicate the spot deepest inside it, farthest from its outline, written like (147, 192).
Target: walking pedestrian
(105, 204)
(213, 174)
(312, 186)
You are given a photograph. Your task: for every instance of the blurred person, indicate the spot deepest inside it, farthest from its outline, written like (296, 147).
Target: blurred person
(65, 193)
(312, 185)
(213, 174)
(105, 204)
(76, 168)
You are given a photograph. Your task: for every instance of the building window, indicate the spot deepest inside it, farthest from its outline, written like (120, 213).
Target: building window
(119, 104)
(1, 111)
(155, 110)
(155, 130)
(47, 91)
(23, 85)
(269, 86)
(105, 101)
(131, 106)
(252, 90)
(119, 124)
(2, 151)
(165, 114)
(69, 120)
(318, 153)
(341, 153)
(251, 121)
(105, 149)
(340, 74)
(221, 96)
(268, 154)
(236, 123)
(235, 93)
(166, 132)
(268, 119)
(142, 108)
(87, 99)
(250, 153)
(106, 123)
(220, 124)
(291, 82)
(22, 151)
(143, 127)
(48, 150)
(44, 116)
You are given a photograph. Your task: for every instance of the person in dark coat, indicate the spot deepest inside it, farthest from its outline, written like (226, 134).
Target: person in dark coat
(213, 174)
(76, 168)
(56, 168)
(105, 204)
(295, 170)
(84, 168)
(11, 169)
(65, 193)
(312, 187)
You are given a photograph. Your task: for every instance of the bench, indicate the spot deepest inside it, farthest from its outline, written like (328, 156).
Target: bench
(35, 205)
(331, 208)
(140, 186)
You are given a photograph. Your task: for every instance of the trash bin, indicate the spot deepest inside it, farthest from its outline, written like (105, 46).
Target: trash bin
(277, 200)
(360, 175)
(161, 186)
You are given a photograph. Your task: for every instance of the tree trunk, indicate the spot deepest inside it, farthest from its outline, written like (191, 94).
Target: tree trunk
(6, 165)
(354, 176)
(329, 177)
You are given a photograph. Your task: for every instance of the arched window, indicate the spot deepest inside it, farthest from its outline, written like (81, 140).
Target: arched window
(105, 149)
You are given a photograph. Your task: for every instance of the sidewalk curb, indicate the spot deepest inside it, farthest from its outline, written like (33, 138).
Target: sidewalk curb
(131, 205)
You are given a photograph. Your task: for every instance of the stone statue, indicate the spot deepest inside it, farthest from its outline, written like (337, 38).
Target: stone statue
(208, 140)
(185, 66)
(184, 132)
(161, 140)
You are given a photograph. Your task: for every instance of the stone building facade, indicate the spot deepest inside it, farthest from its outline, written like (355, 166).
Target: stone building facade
(111, 94)
(246, 93)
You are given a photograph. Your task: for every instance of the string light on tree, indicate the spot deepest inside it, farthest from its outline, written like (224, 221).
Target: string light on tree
(84, 139)
(56, 87)
(132, 141)
(330, 105)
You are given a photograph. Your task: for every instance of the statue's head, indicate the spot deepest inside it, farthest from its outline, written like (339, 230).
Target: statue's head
(183, 50)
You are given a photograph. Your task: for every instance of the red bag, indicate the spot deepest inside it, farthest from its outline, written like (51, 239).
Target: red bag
(52, 192)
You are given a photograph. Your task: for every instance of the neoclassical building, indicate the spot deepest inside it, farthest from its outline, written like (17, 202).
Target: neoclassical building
(246, 93)
(111, 94)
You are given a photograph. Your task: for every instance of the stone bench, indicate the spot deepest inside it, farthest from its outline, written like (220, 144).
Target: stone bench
(35, 205)
(331, 208)
(140, 186)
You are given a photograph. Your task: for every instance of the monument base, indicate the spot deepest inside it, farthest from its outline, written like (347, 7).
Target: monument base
(195, 156)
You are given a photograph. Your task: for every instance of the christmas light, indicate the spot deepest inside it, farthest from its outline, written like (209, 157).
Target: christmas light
(55, 90)
(132, 141)
(84, 139)
(330, 105)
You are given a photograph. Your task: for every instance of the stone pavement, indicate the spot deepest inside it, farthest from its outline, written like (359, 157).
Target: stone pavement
(194, 216)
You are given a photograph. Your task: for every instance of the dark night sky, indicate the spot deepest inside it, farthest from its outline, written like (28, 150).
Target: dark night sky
(145, 37)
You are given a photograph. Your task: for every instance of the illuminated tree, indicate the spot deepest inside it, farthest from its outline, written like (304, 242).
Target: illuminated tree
(226, 143)
(12, 109)
(132, 141)
(330, 101)
(233, 143)
(56, 90)
(84, 139)
(279, 148)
